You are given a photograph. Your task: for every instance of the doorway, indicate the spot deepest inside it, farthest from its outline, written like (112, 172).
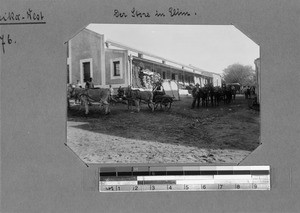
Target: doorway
(86, 70)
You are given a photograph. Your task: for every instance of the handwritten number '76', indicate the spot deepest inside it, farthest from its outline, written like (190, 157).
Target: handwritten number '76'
(5, 39)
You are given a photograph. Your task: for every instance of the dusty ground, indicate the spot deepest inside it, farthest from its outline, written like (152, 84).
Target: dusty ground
(223, 134)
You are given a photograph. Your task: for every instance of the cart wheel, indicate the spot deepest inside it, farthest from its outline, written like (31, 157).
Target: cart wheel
(166, 104)
(155, 104)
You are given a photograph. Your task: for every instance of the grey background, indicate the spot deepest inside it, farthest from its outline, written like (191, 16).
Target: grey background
(40, 174)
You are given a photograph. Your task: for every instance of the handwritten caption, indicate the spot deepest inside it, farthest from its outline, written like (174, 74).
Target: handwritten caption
(27, 16)
(135, 13)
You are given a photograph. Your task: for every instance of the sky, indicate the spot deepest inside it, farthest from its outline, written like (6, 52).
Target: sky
(208, 47)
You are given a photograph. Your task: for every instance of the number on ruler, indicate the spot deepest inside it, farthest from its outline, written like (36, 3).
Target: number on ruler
(254, 186)
(220, 186)
(135, 188)
(186, 187)
(152, 187)
(109, 188)
(203, 186)
(118, 188)
(169, 187)
(237, 186)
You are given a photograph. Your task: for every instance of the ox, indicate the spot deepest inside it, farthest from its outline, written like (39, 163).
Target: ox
(98, 95)
(136, 96)
(73, 93)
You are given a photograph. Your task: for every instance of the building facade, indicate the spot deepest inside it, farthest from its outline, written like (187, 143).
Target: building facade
(88, 58)
(111, 63)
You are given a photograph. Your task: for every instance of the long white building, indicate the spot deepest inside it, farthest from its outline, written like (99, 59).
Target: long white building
(111, 63)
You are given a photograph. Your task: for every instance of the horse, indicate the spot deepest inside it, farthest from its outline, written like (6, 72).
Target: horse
(218, 94)
(227, 95)
(204, 94)
(210, 90)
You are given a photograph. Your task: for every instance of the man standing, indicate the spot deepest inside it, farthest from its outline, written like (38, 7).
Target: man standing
(196, 96)
(233, 92)
(111, 94)
(248, 92)
(78, 85)
(89, 84)
(111, 90)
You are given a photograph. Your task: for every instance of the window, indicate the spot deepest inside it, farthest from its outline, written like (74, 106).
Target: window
(116, 68)
(164, 75)
(173, 76)
(68, 74)
(116, 65)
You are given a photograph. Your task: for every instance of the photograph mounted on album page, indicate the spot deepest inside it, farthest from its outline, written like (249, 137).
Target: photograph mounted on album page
(163, 94)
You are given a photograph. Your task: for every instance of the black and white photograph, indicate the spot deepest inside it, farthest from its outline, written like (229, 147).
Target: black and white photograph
(162, 94)
(141, 106)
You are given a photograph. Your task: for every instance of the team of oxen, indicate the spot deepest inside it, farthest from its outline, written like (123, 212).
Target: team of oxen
(103, 96)
(207, 95)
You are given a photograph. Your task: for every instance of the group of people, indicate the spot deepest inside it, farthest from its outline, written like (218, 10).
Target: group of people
(88, 84)
(249, 92)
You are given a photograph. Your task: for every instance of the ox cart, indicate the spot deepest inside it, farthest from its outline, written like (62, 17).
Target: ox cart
(162, 100)
(154, 99)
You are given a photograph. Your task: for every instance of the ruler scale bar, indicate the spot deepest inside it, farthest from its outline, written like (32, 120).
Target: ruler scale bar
(186, 178)
(184, 187)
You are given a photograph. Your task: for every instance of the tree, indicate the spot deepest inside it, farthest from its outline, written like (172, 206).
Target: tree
(237, 73)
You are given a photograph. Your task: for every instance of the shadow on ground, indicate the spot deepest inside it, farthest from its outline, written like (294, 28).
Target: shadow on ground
(227, 126)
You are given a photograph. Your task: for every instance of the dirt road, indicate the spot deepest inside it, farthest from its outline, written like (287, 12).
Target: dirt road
(223, 134)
